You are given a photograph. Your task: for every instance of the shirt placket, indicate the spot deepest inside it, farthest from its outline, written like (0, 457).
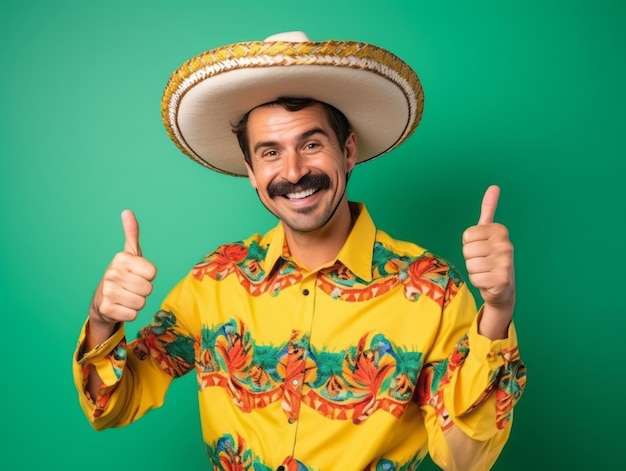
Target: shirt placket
(298, 357)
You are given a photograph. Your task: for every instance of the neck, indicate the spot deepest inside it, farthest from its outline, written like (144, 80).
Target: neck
(316, 248)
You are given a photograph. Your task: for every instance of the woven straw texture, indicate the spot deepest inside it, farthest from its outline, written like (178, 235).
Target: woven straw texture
(260, 54)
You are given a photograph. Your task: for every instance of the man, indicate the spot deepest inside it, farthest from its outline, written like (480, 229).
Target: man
(323, 344)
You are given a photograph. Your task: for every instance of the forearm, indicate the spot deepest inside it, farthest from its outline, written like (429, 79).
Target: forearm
(494, 321)
(468, 454)
(97, 332)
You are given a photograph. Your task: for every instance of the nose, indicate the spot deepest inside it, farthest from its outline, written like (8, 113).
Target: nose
(294, 167)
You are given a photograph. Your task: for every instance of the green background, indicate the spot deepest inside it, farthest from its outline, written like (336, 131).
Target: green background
(526, 94)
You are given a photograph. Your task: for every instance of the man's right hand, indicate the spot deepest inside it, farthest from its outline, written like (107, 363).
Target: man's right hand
(126, 284)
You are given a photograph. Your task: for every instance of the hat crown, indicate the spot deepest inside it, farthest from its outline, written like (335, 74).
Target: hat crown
(289, 36)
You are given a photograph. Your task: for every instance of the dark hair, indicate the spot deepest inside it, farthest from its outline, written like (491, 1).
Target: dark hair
(337, 120)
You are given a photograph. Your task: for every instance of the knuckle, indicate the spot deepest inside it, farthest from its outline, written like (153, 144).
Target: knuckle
(109, 274)
(502, 230)
(466, 251)
(104, 307)
(140, 304)
(120, 258)
(106, 291)
(149, 267)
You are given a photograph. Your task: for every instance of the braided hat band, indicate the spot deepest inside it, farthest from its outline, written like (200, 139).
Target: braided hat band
(379, 93)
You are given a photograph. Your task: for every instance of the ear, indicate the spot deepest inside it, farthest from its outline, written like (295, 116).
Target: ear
(351, 150)
(251, 175)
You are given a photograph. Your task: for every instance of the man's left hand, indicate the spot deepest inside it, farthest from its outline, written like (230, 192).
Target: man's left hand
(488, 256)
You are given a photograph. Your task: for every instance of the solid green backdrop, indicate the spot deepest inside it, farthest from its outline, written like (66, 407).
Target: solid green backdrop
(529, 95)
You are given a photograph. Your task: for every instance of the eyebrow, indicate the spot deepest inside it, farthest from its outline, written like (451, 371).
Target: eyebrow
(303, 136)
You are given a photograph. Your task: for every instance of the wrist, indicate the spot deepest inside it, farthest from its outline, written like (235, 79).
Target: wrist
(494, 321)
(99, 328)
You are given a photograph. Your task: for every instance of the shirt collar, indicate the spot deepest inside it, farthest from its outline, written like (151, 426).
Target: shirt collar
(356, 253)
(276, 241)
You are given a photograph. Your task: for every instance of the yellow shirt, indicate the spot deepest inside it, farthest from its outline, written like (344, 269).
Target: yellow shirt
(370, 362)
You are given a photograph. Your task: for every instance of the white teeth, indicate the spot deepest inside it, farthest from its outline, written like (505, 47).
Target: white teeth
(300, 194)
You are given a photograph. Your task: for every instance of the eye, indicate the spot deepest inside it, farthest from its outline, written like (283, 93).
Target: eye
(270, 154)
(312, 147)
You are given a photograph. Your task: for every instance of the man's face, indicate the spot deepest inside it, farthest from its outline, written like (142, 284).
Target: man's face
(298, 167)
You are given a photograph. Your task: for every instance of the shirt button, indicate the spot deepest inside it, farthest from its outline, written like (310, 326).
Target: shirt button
(295, 382)
(491, 356)
(291, 420)
(305, 292)
(281, 468)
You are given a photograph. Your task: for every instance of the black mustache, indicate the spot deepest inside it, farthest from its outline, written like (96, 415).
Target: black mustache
(307, 182)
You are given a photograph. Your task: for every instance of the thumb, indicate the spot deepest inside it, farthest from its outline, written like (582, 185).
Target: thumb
(489, 205)
(131, 233)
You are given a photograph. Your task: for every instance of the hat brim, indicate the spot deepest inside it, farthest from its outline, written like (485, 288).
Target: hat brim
(379, 94)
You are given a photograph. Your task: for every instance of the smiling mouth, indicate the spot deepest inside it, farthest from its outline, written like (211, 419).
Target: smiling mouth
(307, 186)
(301, 194)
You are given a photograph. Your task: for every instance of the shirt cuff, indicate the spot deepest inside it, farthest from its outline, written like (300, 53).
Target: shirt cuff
(475, 381)
(100, 356)
(492, 354)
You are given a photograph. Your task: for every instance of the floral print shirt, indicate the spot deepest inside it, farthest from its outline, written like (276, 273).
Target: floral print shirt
(369, 362)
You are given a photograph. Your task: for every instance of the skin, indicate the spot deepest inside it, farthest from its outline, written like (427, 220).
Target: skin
(488, 254)
(288, 148)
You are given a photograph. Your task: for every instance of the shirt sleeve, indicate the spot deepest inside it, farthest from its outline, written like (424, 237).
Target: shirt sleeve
(136, 375)
(468, 388)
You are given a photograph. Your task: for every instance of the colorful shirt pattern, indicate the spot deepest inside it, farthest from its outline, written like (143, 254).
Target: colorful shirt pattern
(367, 363)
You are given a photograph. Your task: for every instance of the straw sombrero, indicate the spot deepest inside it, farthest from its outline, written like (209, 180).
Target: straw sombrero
(379, 93)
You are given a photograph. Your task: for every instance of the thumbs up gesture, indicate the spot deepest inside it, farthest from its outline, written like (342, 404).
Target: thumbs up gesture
(488, 256)
(126, 283)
